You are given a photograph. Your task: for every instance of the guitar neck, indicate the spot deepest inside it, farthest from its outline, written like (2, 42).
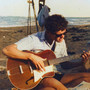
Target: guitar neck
(63, 59)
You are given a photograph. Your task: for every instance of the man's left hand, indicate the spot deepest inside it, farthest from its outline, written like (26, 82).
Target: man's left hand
(85, 56)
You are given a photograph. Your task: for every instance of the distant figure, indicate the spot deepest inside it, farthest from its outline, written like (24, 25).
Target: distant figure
(41, 4)
(43, 14)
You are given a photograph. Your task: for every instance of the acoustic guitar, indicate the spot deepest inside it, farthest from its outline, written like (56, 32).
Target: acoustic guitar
(24, 75)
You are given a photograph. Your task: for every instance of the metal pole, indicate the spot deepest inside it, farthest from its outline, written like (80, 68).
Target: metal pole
(29, 19)
(35, 15)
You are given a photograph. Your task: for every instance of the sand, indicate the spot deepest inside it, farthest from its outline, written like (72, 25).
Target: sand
(76, 38)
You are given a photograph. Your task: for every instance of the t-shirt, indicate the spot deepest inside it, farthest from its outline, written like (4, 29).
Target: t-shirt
(36, 42)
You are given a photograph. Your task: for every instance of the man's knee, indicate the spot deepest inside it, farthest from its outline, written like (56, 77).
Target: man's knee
(47, 80)
(52, 82)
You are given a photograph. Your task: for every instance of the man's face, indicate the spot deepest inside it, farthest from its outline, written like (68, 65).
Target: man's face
(59, 35)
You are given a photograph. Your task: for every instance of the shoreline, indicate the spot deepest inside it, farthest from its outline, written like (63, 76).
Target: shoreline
(34, 26)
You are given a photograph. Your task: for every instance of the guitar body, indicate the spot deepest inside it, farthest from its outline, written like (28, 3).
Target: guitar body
(21, 74)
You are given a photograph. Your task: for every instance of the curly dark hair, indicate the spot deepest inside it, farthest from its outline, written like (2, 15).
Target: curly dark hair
(55, 23)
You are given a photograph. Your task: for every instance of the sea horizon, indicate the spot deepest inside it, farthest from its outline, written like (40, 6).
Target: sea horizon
(14, 21)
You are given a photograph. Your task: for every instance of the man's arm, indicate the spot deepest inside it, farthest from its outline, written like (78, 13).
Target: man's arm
(13, 52)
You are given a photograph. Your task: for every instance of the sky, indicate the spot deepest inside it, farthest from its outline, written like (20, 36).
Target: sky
(67, 8)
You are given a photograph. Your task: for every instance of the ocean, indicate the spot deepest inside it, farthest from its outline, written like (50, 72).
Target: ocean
(12, 21)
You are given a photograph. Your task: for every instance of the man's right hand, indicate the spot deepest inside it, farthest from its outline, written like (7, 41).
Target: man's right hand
(37, 61)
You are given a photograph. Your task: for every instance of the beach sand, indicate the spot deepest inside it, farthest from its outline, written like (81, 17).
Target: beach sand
(76, 38)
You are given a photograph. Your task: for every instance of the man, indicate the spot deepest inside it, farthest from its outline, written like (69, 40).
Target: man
(53, 39)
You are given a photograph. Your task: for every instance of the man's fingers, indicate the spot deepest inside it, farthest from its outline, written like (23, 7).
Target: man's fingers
(85, 56)
(40, 66)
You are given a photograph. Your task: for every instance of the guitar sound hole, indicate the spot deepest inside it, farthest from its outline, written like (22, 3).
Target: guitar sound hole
(29, 80)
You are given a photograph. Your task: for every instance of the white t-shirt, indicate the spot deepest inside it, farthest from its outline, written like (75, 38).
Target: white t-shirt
(37, 42)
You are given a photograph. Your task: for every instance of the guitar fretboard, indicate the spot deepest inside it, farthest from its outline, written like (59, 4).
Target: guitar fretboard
(63, 59)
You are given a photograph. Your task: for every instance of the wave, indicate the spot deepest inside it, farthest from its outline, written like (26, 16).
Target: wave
(11, 21)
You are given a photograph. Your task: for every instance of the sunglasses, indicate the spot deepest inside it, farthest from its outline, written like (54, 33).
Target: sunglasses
(60, 34)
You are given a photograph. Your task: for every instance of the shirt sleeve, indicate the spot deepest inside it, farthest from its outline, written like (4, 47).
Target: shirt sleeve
(25, 43)
(65, 49)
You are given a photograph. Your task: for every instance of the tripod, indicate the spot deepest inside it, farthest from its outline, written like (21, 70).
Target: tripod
(29, 17)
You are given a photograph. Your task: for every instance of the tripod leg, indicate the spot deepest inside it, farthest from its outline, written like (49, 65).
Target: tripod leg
(35, 15)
